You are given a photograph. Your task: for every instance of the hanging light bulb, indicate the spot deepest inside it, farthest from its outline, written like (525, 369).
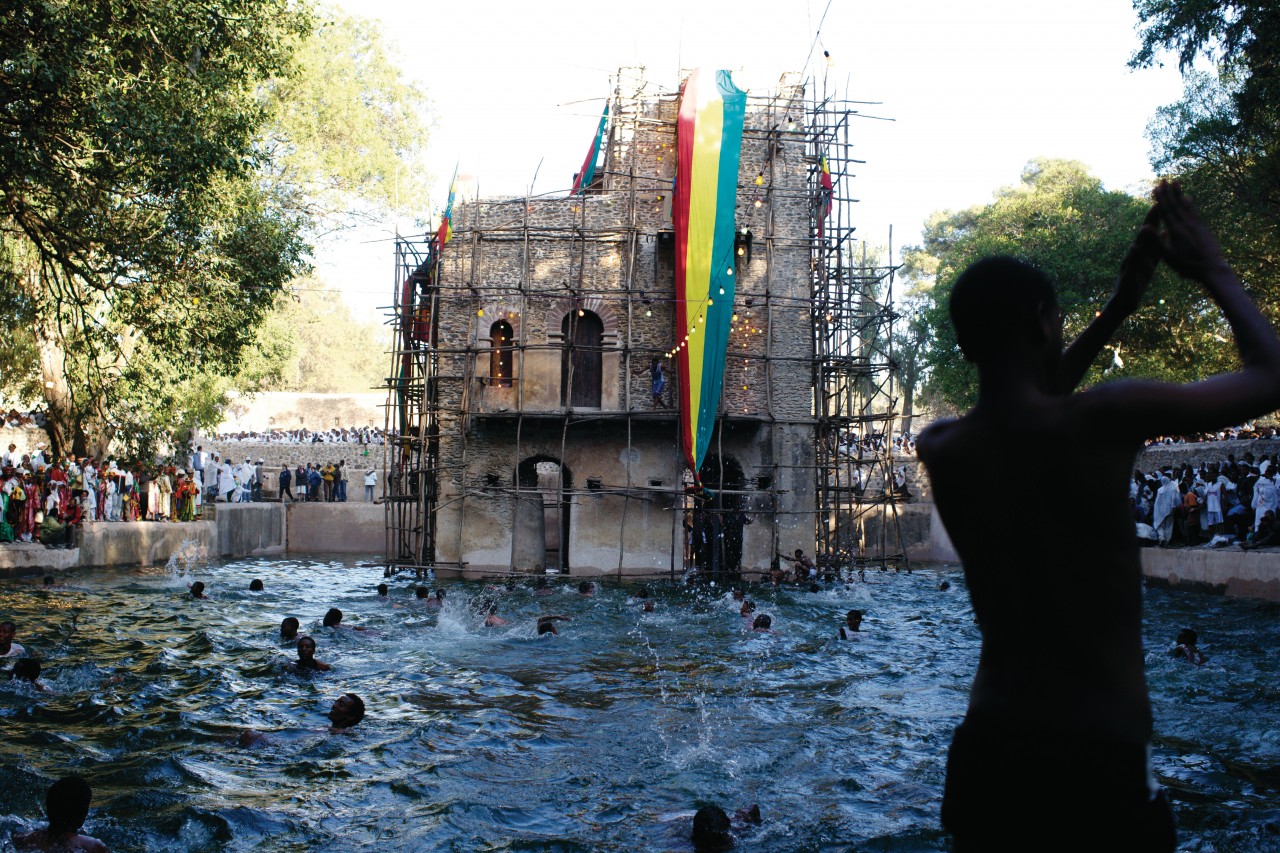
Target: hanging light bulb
(759, 203)
(648, 313)
(581, 313)
(760, 179)
(480, 313)
(729, 271)
(735, 318)
(722, 290)
(742, 250)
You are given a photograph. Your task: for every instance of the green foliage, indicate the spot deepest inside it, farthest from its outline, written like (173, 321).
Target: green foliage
(165, 166)
(1061, 219)
(311, 343)
(1222, 139)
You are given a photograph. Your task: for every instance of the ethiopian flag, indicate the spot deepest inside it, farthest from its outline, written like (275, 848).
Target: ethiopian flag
(708, 147)
(446, 221)
(583, 179)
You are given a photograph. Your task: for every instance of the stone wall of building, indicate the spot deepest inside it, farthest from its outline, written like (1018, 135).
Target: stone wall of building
(524, 269)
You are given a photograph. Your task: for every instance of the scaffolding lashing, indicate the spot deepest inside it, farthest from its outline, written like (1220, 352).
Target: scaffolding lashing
(854, 401)
(412, 413)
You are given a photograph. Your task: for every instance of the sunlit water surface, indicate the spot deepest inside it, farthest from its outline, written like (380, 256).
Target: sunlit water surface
(603, 738)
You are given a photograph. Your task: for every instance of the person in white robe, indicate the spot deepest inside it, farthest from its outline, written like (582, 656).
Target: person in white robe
(1264, 498)
(226, 481)
(1167, 498)
(165, 509)
(1213, 503)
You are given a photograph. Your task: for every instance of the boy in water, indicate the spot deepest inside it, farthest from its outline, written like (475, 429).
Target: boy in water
(1187, 649)
(66, 805)
(307, 656)
(1083, 722)
(852, 625)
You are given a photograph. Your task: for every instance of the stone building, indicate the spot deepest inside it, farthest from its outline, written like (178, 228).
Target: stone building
(529, 437)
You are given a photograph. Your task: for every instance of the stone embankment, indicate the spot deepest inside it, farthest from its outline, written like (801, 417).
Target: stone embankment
(227, 530)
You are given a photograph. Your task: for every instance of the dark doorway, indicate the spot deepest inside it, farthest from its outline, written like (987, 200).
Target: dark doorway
(540, 539)
(717, 520)
(581, 369)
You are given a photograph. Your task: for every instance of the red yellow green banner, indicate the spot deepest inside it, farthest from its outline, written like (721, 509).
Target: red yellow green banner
(708, 146)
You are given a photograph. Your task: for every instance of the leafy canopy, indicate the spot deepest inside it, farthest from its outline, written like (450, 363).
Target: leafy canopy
(1060, 218)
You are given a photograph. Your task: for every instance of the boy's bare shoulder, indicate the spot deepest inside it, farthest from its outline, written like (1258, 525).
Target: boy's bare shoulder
(936, 436)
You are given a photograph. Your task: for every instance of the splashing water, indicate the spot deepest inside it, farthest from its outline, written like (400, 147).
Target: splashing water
(605, 737)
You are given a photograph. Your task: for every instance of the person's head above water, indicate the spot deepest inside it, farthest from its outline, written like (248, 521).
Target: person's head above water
(763, 622)
(197, 589)
(347, 710)
(586, 587)
(333, 618)
(853, 619)
(306, 648)
(711, 829)
(26, 669)
(382, 590)
(422, 592)
(255, 585)
(66, 805)
(1001, 308)
(1188, 637)
(439, 594)
(289, 627)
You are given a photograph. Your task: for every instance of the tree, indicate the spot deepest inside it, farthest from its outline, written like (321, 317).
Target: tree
(1062, 220)
(1222, 139)
(160, 187)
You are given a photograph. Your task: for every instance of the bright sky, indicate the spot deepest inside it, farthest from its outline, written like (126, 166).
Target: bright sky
(975, 90)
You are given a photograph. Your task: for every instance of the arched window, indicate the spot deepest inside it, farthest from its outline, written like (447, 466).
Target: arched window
(581, 369)
(500, 335)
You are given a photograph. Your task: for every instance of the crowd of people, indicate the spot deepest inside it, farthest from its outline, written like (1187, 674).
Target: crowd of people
(1218, 503)
(302, 435)
(14, 419)
(44, 500)
(1247, 432)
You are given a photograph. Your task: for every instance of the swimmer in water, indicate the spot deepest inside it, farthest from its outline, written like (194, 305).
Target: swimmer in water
(66, 805)
(28, 670)
(1186, 648)
(711, 830)
(438, 601)
(586, 588)
(763, 624)
(423, 594)
(197, 590)
(255, 585)
(493, 620)
(333, 619)
(852, 624)
(738, 594)
(542, 587)
(748, 607)
(944, 586)
(8, 648)
(647, 605)
(547, 624)
(382, 592)
(307, 656)
(347, 710)
(289, 628)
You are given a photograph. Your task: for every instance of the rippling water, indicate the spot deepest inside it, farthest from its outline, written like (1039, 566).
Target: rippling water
(604, 738)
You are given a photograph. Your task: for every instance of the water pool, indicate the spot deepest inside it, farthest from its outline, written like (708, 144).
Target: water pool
(603, 738)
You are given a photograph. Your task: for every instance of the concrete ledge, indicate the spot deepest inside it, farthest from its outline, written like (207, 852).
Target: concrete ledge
(31, 558)
(133, 543)
(1253, 574)
(250, 530)
(342, 528)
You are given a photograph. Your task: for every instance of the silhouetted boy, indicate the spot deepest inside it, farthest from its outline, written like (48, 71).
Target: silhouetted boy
(1053, 752)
